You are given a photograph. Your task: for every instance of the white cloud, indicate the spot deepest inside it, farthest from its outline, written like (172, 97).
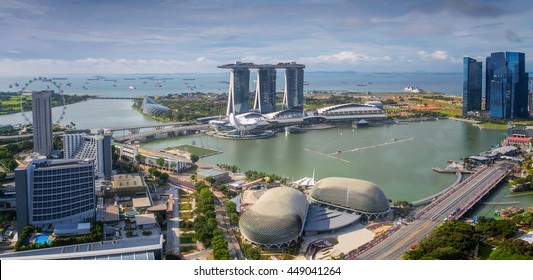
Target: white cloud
(96, 65)
(346, 56)
(441, 55)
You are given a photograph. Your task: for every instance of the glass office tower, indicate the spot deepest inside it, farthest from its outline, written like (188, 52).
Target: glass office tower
(507, 85)
(471, 85)
(265, 93)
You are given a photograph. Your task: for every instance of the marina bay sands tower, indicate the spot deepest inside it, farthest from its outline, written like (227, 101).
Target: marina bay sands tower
(265, 93)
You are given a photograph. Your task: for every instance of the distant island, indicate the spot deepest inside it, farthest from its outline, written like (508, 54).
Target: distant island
(10, 102)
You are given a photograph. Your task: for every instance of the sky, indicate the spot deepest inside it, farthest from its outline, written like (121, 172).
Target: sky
(40, 37)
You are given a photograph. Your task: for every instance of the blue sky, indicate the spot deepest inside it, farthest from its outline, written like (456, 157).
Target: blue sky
(40, 37)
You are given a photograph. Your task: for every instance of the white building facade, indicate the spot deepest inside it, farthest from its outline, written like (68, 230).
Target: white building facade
(93, 145)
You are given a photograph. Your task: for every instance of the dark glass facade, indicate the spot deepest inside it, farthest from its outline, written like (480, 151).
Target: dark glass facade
(239, 91)
(294, 88)
(265, 94)
(471, 85)
(507, 85)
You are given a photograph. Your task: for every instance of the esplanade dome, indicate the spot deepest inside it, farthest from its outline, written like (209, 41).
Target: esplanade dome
(350, 194)
(276, 219)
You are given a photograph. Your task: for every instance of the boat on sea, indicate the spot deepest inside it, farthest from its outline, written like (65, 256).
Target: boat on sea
(131, 87)
(189, 79)
(306, 83)
(413, 89)
(361, 85)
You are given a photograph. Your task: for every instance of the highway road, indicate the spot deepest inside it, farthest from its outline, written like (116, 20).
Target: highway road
(461, 197)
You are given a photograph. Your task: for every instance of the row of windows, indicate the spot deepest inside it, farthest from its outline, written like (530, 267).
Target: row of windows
(71, 190)
(55, 184)
(62, 177)
(63, 208)
(51, 177)
(38, 218)
(53, 198)
(48, 201)
(72, 170)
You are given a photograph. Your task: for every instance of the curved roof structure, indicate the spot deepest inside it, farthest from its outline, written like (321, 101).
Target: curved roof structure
(277, 219)
(349, 109)
(355, 195)
(242, 123)
(285, 114)
(320, 219)
(376, 104)
(149, 106)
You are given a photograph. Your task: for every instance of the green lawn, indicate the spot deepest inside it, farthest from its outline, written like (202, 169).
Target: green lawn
(187, 249)
(187, 238)
(199, 151)
(185, 206)
(184, 199)
(494, 126)
(186, 215)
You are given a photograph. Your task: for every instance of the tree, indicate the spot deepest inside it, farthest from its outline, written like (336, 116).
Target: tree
(210, 179)
(251, 252)
(160, 161)
(402, 204)
(491, 227)
(231, 207)
(234, 219)
(164, 176)
(453, 240)
(513, 249)
(194, 158)
(157, 173)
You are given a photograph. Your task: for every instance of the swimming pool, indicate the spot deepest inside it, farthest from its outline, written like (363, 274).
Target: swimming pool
(41, 239)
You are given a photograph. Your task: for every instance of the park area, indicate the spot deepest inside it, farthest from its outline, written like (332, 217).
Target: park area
(195, 150)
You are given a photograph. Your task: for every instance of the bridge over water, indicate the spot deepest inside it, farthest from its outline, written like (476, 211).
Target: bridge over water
(451, 205)
(165, 132)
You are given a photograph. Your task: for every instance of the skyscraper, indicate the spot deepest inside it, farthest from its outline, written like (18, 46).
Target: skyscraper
(239, 90)
(51, 192)
(265, 93)
(87, 145)
(471, 85)
(265, 98)
(294, 86)
(507, 85)
(42, 122)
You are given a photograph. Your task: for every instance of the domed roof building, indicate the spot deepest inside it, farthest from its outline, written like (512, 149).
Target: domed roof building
(149, 106)
(277, 218)
(350, 195)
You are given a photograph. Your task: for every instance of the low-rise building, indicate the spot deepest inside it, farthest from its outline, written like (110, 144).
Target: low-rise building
(219, 175)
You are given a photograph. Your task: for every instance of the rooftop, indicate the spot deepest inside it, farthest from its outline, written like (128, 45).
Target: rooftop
(145, 219)
(126, 181)
(211, 172)
(102, 249)
(141, 202)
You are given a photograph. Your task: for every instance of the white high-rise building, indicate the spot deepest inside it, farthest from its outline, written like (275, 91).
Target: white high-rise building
(95, 146)
(51, 192)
